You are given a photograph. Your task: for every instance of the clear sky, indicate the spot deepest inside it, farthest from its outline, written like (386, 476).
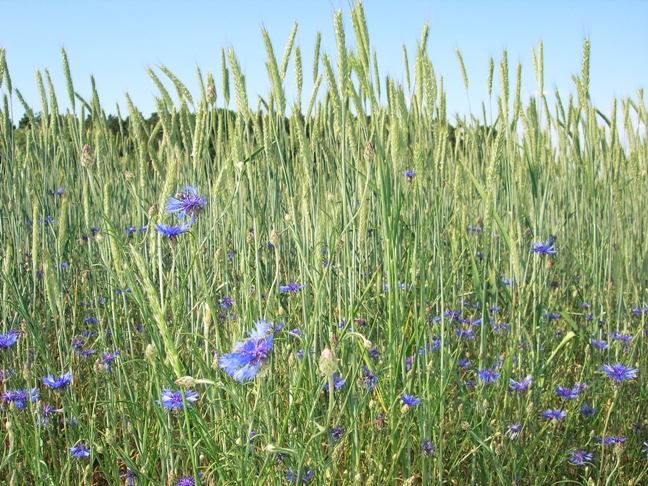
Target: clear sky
(117, 40)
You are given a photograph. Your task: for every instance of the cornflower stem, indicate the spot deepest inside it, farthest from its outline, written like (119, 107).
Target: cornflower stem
(605, 428)
(331, 404)
(194, 464)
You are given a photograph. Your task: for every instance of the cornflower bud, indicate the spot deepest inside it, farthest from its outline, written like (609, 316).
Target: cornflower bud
(86, 156)
(369, 152)
(327, 363)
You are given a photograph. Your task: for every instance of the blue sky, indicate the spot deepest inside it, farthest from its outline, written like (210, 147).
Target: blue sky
(117, 40)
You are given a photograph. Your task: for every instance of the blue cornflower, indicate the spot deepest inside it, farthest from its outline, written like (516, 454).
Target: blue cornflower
(513, 431)
(427, 448)
(499, 327)
(143, 228)
(291, 287)
(80, 450)
(579, 388)
(410, 400)
(466, 334)
(374, 354)
(46, 411)
(291, 477)
(618, 372)
(369, 379)
(338, 382)
(488, 376)
(409, 174)
(226, 303)
(90, 320)
(188, 480)
(554, 414)
(9, 339)
(78, 343)
(600, 344)
(173, 399)
(185, 203)
(543, 249)
(464, 364)
(108, 358)
(173, 231)
(566, 393)
(19, 397)
(618, 336)
(610, 440)
(244, 362)
(436, 342)
(520, 386)
(579, 458)
(129, 476)
(336, 433)
(131, 229)
(60, 382)
(94, 230)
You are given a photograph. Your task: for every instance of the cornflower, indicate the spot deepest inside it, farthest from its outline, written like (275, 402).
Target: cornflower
(19, 397)
(60, 382)
(291, 477)
(579, 458)
(80, 450)
(600, 344)
(619, 372)
(488, 376)
(543, 249)
(610, 440)
(226, 303)
(129, 476)
(520, 386)
(554, 414)
(336, 433)
(185, 203)
(9, 339)
(108, 358)
(173, 399)
(173, 231)
(513, 431)
(427, 448)
(566, 393)
(369, 379)
(338, 382)
(410, 400)
(188, 480)
(46, 411)
(243, 364)
(291, 287)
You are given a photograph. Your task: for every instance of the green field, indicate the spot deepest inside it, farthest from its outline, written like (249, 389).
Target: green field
(382, 253)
